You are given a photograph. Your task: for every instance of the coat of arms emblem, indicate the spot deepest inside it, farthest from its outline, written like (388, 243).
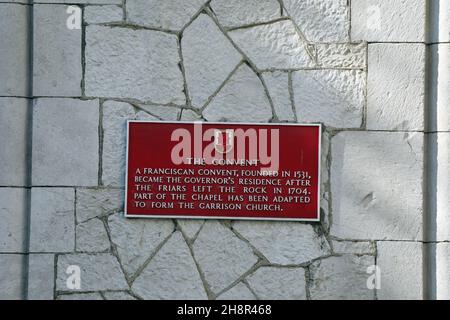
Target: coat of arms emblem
(223, 140)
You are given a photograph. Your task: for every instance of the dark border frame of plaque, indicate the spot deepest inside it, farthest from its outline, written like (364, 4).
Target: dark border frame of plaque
(220, 217)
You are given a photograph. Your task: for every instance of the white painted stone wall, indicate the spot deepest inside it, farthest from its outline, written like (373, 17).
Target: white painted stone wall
(357, 66)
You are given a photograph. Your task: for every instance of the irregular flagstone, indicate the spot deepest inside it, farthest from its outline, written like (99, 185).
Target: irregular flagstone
(189, 115)
(342, 55)
(334, 97)
(102, 14)
(238, 292)
(208, 58)
(320, 20)
(92, 203)
(235, 13)
(222, 256)
(119, 295)
(270, 283)
(355, 247)
(128, 63)
(283, 242)
(81, 296)
(162, 112)
(115, 116)
(341, 278)
(137, 239)
(190, 227)
(241, 99)
(91, 236)
(100, 271)
(278, 86)
(273, 46)
(167, 14)
(171, 274)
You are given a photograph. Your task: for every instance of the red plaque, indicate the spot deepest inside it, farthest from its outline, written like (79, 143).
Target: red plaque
(223, 171)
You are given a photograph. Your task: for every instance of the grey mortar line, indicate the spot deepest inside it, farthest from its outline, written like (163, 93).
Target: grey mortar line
(219, 88)
(206, 286)
(251, 270)
(138, 272)
(100, 142)
(83, 54)
(247, 60)
(308, 282)
(183, 71)
(195, 16)
(114, 251)
(245, 282)
(257, 24)
(256, 252)
(306, 43)
(291, 96)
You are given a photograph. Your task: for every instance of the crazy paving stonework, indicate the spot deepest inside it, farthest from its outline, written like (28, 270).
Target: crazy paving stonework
(216, 60)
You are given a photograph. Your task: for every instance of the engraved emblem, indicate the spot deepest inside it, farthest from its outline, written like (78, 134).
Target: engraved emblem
(223, 140)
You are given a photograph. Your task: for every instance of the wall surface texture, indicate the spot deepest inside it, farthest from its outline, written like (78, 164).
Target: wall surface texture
(375, 73)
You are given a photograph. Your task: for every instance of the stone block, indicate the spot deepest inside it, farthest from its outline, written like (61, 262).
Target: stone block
(57, 67)
(401, 267)
(388, 21)
(14, 50)
(129, 63)
(396, 87)
(376, 185)
(341, 278)
(333, 97)
(442, 270)
(52, 220)
(41, 276)
(11, 276)
(13, 217)
(13, 141)
(65, 142)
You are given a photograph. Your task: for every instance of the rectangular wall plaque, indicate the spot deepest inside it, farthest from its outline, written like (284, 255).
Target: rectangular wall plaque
(223, 171)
